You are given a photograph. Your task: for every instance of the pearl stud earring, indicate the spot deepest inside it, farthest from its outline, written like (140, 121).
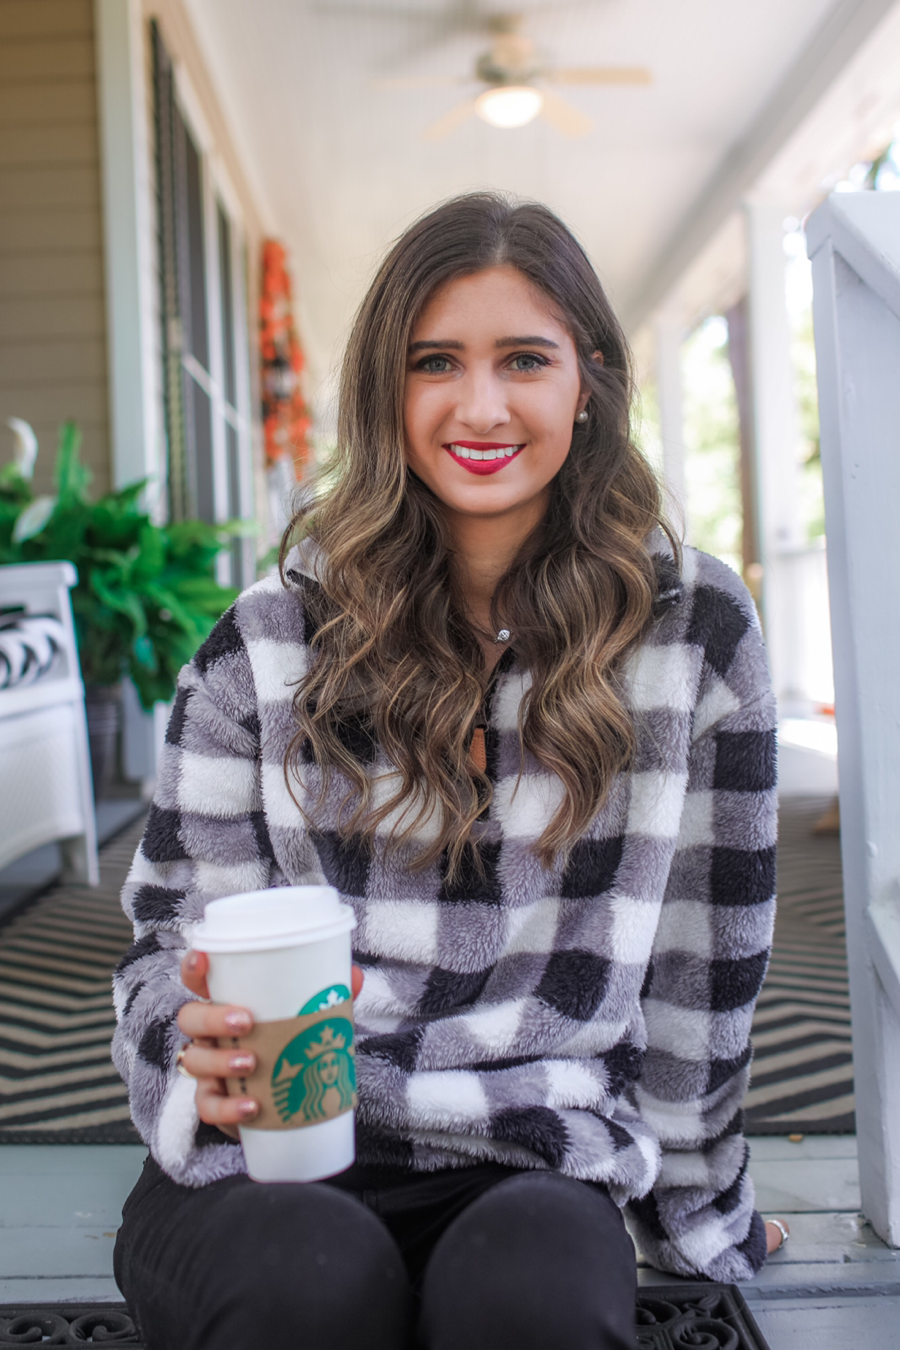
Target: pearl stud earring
(582, 416)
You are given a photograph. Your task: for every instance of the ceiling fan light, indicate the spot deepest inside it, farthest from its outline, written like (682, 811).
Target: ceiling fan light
(510, 105)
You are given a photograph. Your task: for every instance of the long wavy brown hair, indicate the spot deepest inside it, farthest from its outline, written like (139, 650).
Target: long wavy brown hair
(393, 647)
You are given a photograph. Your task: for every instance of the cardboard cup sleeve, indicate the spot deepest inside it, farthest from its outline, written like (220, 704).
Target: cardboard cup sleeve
(305, 1069)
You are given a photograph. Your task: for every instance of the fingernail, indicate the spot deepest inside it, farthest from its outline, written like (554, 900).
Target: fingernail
(247, 1108)
(237, 1020)
(241, 1063)
(192, 960)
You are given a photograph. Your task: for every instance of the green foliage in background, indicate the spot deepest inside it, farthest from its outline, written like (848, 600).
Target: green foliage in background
(146, 595)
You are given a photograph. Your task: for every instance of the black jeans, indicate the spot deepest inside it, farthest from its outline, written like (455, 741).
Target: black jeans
(480, 1258)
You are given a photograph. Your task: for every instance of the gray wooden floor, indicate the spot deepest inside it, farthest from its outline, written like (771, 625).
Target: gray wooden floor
(60, 1206)
(835, 1286)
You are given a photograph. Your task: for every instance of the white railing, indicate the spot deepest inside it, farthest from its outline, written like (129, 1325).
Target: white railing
(854, 244)
(45, 771)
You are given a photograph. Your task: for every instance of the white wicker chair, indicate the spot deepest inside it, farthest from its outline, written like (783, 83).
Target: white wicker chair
(45, 770)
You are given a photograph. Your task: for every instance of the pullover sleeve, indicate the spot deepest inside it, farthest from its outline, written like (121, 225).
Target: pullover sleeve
(709, 959)
(205, 837)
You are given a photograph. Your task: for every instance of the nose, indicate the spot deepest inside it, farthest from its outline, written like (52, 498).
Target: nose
(482, 405)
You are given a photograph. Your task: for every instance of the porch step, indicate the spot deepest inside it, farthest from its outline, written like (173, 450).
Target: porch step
(835, 1286)
(813, 1321)
(60, 1206)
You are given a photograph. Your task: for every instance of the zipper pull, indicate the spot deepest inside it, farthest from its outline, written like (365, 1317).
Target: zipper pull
(478, 751)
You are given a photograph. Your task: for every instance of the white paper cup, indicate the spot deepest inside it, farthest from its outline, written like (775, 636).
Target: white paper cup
(285, 954)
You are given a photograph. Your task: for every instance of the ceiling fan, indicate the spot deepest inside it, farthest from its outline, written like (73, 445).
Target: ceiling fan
(516, 79)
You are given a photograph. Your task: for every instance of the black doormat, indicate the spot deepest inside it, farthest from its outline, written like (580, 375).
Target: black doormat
(711, 1316)
(67, 1324)
(714, 1316)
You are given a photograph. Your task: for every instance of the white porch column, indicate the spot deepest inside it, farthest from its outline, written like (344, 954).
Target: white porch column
(776, 438)
(137, 441)
(136, 433)
(854, 243)
(668, 335)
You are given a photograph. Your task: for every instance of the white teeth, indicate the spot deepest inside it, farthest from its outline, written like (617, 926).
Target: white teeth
(464, 452)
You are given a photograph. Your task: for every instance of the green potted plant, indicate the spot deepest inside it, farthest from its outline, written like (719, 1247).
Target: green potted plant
(146, 595)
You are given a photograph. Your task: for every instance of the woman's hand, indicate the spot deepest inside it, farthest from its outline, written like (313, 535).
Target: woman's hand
(774, 1236)
(205, 1023)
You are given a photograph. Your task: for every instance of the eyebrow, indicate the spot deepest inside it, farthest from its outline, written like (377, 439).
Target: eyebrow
(531, 340)
(428, 343)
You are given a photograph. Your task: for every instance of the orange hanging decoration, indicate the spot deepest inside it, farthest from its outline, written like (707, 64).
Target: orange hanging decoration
(286, 418)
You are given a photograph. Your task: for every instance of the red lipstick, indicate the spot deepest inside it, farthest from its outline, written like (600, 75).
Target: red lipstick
(482, 466)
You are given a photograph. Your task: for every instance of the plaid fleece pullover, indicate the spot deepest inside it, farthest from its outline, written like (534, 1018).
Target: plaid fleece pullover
(592, 1019)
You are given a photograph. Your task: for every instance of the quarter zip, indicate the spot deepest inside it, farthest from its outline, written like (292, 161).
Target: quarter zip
(478, 742)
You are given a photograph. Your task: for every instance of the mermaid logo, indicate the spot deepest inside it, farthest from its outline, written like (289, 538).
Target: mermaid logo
(315, 1075)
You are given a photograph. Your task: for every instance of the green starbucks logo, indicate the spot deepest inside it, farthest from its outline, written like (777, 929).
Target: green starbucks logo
(325, 998)
(314, 1077)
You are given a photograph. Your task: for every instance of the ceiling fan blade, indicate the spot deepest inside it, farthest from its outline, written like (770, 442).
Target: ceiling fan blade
(419, 82)
(563, 116)
(450, 121)
(599, 75)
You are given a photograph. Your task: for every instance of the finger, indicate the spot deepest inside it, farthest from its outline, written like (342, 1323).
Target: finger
(356, 981)
(194, 969)
(213, 1019)
(215, 1108)
(207, 1092)
(202, 1062)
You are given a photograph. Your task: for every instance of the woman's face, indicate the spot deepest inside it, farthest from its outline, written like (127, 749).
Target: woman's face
(492, 391)
(329, 1069)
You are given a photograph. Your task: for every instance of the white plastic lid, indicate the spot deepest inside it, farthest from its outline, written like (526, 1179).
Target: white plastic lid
(262, 920)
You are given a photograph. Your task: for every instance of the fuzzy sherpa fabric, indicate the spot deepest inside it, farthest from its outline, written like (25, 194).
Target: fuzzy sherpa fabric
(593, 1019)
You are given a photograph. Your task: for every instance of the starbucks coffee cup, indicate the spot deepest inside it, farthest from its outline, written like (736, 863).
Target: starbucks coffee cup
(284, 955)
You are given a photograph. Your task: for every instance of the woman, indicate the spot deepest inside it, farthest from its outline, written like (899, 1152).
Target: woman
(533, 747)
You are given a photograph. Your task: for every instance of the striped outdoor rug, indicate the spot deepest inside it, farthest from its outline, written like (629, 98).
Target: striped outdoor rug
(802, 1065)
(57, 1084)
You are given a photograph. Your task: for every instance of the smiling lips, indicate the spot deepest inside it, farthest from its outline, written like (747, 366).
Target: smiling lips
(482, 456)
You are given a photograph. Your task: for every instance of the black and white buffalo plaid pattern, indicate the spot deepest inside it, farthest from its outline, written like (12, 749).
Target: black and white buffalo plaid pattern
(591, 1018)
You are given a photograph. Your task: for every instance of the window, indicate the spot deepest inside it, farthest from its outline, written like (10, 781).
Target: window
(204, 328)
